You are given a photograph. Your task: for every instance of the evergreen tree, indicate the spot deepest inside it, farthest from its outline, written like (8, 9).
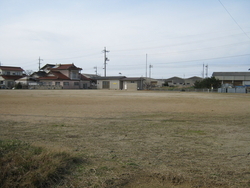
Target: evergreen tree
(207, 83)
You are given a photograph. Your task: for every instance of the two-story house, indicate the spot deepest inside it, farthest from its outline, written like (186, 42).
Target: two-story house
(8, 75)
(64, 76)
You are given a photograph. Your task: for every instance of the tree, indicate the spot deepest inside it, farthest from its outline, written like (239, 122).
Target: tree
(18, 86)
(207, 83)
(28, 72)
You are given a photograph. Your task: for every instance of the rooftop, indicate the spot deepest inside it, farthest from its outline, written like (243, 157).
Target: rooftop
(8, 68)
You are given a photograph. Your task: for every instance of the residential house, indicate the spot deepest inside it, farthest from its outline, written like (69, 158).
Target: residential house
(60, 76)
(26, 81)
(8, 76)
(177, 81)
(190, 81)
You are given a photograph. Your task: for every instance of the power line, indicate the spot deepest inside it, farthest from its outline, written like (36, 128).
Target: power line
(234, 19)
(178, 44)
(76, 57)
(174, 62)
(206, 59)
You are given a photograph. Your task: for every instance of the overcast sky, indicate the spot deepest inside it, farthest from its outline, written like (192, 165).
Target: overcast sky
(178, 36)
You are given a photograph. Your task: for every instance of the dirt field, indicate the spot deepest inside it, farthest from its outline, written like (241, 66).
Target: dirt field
(137, 139)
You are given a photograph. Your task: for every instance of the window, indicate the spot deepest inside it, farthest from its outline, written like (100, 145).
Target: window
(74, 75)
(132, 82)
(76, 83)
(8, 73)
(57, 83)
(66, 83)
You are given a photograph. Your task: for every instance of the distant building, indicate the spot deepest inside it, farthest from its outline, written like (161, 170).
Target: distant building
(60, 76)
(121, 83)
(177, 81)
(233, 78)
(8, 76)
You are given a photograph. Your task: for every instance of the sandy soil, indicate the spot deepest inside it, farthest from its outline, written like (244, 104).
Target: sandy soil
(138, 139)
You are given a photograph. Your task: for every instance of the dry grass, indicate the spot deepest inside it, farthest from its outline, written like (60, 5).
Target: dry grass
(23, 165)
(137, 139)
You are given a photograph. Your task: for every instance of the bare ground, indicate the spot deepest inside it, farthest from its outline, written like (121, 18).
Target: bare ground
(137, 139)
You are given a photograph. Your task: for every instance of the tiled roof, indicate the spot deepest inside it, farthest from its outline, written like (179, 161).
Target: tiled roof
(85, 78)
(39, 73)
(66, 67)
(11, 77)
(8, 68)
(56, 76)
(48, 66)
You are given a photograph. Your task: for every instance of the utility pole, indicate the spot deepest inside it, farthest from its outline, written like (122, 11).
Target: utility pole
(150, 66)
(95, 70)
(146, 65)
(203, 71)
(206, 71)
(39, 63)
(105, 60)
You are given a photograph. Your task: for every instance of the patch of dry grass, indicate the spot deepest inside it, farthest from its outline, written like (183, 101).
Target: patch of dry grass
(23, 165)
(137, 139)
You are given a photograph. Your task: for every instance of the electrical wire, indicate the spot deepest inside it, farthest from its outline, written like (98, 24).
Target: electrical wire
(234, 19)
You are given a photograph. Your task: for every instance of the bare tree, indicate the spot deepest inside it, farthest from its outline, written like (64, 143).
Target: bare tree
(28, 72)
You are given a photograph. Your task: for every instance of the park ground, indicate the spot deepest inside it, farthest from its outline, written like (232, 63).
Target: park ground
(138, 138)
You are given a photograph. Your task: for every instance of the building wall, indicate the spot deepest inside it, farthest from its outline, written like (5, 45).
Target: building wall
(7, 72)
(65, 84)
(113, 84)
(235, 80)
(128, 85)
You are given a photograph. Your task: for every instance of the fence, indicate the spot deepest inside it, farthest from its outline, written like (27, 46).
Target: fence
(45, 87)
(186, 90)
(234, 90)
